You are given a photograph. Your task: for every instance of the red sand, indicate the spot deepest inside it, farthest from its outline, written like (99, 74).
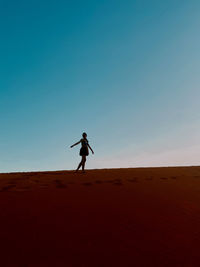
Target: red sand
(114, 217)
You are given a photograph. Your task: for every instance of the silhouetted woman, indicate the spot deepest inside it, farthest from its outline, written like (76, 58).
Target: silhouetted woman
(84, 152)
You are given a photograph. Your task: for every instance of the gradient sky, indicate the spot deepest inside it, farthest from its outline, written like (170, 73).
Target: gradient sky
(126, 72)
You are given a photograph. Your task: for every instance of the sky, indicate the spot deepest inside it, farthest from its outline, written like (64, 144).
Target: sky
(124, 71)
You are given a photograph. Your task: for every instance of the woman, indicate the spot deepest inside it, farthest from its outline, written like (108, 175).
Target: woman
(84, 152)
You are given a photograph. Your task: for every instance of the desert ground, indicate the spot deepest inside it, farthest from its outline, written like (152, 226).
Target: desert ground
(109, 217)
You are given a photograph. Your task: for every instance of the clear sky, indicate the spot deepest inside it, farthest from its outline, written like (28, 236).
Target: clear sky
(126, 72)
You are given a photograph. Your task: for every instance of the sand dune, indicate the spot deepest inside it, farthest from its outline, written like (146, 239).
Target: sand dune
(111, 217)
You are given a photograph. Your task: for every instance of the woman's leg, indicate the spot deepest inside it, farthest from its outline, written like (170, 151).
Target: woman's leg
(80, 164)
(83, 163)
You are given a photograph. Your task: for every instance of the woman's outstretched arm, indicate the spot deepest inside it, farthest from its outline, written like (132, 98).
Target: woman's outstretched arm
(90, 149)
(75, 144)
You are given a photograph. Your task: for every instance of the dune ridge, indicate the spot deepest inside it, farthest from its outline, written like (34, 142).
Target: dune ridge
(105, 217)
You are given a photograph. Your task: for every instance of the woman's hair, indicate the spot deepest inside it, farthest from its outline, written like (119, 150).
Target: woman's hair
(84, 134)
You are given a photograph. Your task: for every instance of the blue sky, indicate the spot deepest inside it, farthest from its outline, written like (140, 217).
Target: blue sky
(126, 72)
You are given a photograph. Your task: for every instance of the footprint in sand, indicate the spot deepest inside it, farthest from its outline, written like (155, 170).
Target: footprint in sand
(43, 186)
(30, 174)
(59, 184)
(13, 182)
(7, 187)
(149, 179)
(24, 188)
(109, 181)
(98, 182)
(87, 184)
(133, 180)
(117, 183)
(36, 181)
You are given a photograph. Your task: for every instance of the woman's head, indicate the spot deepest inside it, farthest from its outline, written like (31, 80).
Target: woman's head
(84, 135)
